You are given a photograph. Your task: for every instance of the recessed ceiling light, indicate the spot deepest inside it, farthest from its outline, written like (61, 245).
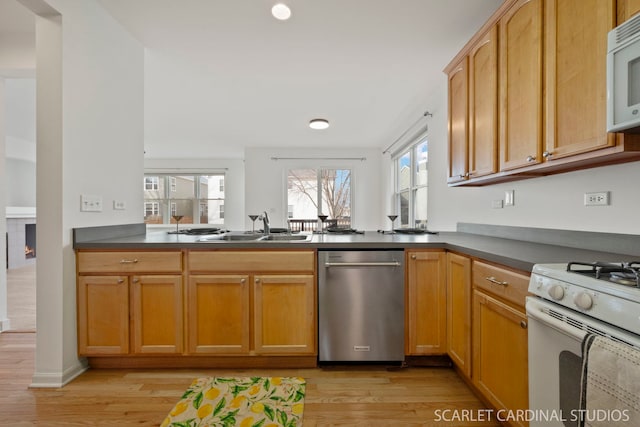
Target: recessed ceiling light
(319, 124)
(281, 11)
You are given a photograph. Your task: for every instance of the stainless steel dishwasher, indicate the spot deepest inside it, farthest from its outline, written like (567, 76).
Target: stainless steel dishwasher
(361, 306)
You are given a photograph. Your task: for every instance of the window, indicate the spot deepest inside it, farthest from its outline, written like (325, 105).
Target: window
(312, 192)
(151, 182)
(411, 181)
(199, 199)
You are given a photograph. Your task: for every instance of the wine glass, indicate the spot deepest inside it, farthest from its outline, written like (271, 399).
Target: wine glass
(177, 218)
(253, 223)
(323, 218)
(392, 218)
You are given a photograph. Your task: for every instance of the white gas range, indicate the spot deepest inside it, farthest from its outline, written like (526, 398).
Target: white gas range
(570, 301)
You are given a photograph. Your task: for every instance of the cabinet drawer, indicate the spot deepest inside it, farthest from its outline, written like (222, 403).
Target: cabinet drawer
(129, 262)
(247, 261)
(501, 282)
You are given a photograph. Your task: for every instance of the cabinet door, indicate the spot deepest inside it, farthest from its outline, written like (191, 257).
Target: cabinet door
(285, 319)
(521, 85)
(218, 309)
(459, 311)
(500, 353)
(103, 315)
(426, 303)
(576, 76)
(483, 105)
(156, 313)
(458, 123)
(627, 9)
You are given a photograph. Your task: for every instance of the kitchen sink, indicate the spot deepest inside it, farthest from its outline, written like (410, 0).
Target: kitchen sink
(231, 237)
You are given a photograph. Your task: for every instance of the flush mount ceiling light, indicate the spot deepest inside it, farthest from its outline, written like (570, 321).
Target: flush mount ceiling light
(319, 124)
(281, 11)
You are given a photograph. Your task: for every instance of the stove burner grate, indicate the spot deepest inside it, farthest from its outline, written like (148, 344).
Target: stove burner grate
(624, 273)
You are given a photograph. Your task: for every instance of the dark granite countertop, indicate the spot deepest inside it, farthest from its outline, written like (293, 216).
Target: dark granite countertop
(516, 247)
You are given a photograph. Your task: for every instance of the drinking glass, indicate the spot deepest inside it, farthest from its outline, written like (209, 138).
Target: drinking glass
(392, 218)
(253, 223)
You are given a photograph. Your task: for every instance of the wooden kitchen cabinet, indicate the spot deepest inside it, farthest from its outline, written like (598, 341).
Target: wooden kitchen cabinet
(499, 334)
(520, 76)
(218, 314)
(285, 314)
(459, 311)
(458, 122)
(627, 9)
(576, 76)
(156, 314)
(426, 303)
(103, 315)
(252, 303)
(127, 303)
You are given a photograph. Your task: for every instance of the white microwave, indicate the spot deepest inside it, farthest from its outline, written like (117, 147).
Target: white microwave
(623, 77)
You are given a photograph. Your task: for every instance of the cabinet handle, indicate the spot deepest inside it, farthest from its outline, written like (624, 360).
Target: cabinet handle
(128, 261)
(463, 175)
(547, 154)
(495, 281)
(523, 324)
(531, 158)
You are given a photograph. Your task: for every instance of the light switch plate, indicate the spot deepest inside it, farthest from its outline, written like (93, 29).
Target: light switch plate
(509, 198)
(90, 203)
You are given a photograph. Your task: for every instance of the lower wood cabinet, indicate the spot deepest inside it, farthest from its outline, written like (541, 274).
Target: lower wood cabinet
(426, 306)
(459, 311)
(500, 340)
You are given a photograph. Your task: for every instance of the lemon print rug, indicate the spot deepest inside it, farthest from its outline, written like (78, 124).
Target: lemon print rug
(240, 402)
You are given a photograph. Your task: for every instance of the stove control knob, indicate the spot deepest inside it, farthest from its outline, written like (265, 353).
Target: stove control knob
(583, 300)
(556, 292)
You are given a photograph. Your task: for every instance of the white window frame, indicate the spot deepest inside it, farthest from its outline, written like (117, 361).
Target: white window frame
(413, 185)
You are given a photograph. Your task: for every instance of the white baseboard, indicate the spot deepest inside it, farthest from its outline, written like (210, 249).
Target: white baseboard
(5, 325)
(58, 380)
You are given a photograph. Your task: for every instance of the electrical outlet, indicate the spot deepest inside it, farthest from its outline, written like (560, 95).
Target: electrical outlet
(496, 204)
(596, 199)
(119, 205)
(90, 203)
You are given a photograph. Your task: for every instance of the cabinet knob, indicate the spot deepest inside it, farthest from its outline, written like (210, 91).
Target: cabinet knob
(413, 256)
(523, 324)
(257, 280)
(547, 154)
(531, 158)
(243, 281)
(135, 280)
(120, 280)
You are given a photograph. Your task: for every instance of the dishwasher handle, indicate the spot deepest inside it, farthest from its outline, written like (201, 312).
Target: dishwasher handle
(362, 264)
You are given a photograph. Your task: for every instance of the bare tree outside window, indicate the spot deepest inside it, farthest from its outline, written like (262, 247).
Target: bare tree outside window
(320, 191)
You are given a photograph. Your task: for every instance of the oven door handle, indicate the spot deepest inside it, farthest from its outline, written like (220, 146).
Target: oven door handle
(534, 310)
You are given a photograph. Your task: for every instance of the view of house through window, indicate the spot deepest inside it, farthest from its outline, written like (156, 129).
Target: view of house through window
(199, 199)
(411, 185)
(312, 192)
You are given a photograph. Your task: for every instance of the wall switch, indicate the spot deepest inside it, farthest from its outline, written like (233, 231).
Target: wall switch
(90, 203)
(496, 204)
(596, 199)
(508, 198)
(119, 205)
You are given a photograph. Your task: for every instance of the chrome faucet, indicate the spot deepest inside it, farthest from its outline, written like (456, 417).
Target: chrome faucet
(265, 221)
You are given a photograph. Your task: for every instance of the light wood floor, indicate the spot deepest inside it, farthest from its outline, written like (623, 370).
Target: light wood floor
(336, 396)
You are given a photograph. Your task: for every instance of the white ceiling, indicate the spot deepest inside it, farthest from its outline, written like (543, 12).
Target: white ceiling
(224, 75)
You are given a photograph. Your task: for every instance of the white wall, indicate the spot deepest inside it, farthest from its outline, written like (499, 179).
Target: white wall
(89, 141)
(547, 202)
(4, 318)
(233, 182)
(266, 189)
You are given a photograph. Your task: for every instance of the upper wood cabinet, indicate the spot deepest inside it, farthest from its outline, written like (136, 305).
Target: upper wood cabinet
(483, 105)
(627, 9)
(575, 82)
(458, 122)
(521, 44)
(551, 84)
